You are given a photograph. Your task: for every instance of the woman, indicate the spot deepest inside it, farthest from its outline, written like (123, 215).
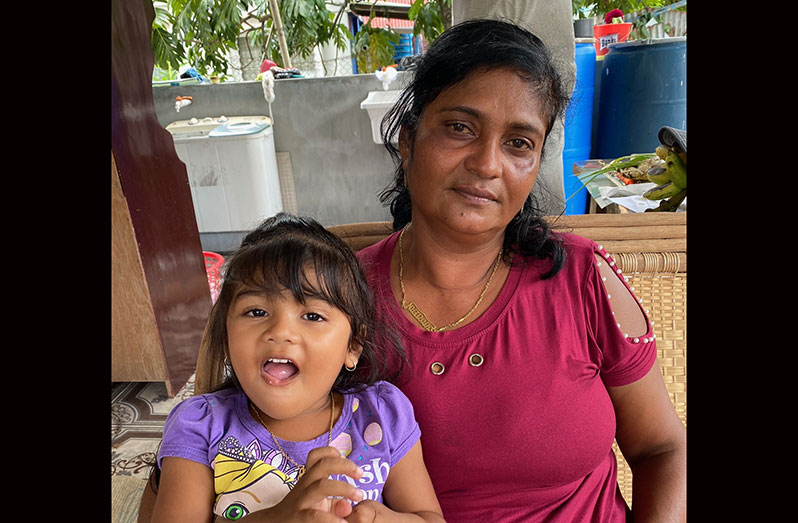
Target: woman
(528, 352)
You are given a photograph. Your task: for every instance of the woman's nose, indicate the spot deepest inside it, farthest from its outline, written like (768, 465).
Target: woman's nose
(484, 159)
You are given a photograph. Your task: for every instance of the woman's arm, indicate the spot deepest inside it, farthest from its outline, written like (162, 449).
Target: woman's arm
(653, 441)
(408, 492)
(649, 433)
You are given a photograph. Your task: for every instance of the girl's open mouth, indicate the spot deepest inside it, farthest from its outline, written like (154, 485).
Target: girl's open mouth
(279, 370)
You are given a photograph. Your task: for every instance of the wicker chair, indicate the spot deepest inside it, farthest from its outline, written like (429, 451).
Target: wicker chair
(651, 249)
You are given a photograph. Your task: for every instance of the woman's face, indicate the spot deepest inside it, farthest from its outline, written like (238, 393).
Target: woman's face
(476, 153)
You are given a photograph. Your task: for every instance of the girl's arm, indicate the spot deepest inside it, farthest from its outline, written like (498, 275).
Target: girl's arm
(408, 492)
(185, 492)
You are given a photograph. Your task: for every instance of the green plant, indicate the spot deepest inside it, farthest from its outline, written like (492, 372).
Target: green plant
(583, 8)
(160, 75)
(641, 24)
(430, 18)
(196, 32)
(591, 8)
(374, 47)
(203, 32)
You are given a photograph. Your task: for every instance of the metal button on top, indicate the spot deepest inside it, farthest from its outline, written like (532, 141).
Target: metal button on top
(437, 368)
(475, 360)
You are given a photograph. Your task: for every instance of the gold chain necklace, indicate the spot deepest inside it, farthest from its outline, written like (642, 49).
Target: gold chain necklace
(420, 316)
(301, 468)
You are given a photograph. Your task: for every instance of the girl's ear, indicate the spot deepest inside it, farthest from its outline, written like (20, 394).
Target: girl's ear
(355, 348)
(353, 356)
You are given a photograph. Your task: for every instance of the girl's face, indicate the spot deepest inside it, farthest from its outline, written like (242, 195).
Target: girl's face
(287, 355)
(476, 153)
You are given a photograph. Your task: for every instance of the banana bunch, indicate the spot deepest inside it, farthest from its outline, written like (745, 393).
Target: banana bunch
(671, 176)
(639, 173)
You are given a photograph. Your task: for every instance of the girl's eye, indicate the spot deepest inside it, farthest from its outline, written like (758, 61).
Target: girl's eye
(256, 313)
(313, 316)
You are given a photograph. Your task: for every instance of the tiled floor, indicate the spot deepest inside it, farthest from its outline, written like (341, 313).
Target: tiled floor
(138, 412)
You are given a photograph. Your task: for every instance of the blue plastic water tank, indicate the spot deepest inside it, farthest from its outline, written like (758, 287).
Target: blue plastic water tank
(643, 87)
(579, 125)
(404, 47)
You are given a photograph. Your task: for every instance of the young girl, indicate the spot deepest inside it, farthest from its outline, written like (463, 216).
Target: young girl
(305, 426)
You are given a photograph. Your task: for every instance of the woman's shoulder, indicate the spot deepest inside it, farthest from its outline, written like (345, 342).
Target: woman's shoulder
(578, 253)
(579, 248)
(574, 241)
(377, 251)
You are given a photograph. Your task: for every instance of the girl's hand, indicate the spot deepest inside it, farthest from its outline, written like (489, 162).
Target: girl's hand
(309, 500)
(365, 512)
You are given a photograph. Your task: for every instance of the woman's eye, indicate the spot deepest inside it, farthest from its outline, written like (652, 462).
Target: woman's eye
(519, 143)
(458, 127)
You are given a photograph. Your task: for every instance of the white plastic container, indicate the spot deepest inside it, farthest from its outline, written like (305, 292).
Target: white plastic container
(377, 103)
(232, 170)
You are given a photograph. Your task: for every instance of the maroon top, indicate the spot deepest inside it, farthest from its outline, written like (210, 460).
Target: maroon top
(526, 435)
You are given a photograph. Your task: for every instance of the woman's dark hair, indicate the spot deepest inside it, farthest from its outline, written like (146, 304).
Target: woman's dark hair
(281, 254)
(465, 48)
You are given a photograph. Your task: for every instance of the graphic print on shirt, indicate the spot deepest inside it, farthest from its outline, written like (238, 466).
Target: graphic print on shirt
(247, 479)
(365, 449)
(255, 476)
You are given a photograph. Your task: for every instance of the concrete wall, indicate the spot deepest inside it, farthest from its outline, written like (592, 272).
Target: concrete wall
(337, 169)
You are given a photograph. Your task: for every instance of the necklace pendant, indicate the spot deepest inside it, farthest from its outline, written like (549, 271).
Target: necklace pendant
(420, 317)
(301, 472)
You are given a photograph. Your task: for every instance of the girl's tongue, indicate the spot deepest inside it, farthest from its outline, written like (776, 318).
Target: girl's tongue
(280, 369)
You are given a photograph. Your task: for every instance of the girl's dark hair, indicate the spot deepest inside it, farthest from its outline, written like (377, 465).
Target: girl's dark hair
(280, 254)
(465, 48)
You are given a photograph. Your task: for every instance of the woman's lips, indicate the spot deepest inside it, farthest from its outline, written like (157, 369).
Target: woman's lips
(475, 194)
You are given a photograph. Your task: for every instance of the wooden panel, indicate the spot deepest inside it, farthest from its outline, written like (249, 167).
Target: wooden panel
(674, 244)
(136, 351)
(155, 185)
(632, 233)
(616, 220)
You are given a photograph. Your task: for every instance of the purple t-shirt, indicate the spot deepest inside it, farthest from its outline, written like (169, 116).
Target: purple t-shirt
(375, 430)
